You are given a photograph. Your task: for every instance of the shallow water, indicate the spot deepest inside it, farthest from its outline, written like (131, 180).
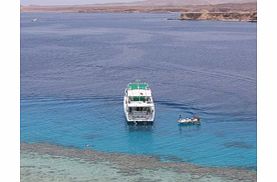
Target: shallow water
(75, 67)
(44, 162)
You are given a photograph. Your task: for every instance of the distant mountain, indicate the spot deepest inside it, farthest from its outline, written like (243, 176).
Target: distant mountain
(185, 2)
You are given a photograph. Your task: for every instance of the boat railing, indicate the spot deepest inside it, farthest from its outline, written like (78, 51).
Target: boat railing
(148, 100)
(140, 114)
(140, 117)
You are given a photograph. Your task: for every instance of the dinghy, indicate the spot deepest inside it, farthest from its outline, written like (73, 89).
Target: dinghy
(193, 120)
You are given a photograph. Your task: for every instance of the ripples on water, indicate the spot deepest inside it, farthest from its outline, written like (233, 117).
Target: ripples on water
(75, 67)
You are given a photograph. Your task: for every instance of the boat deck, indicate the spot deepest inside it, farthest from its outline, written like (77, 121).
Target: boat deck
(136, 86)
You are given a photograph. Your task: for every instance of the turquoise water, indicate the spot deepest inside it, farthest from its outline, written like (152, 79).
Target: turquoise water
(75, 67)
(44, 162)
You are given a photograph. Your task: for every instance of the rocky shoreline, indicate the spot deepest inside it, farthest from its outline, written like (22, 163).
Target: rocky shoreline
(220, 16)
(231, 7)
(223, 12)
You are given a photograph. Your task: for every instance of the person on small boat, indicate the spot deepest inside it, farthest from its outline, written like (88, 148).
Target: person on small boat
(193, 120)
(196, 117)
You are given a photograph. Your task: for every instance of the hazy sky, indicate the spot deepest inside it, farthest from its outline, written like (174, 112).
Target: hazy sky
(69, 2)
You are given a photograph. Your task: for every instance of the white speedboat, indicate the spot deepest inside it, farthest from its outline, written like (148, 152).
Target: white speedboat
(193, 120)
(138, 103)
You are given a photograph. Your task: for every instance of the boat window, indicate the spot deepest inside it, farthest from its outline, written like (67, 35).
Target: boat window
(142, 109)
(138, 98)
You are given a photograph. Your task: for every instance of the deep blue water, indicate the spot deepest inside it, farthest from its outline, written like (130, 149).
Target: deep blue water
(75, 67)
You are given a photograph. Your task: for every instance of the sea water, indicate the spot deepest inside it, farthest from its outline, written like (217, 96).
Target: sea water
(75, 67)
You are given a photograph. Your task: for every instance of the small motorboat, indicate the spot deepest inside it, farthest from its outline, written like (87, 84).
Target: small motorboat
(34, 20)
(193, 120)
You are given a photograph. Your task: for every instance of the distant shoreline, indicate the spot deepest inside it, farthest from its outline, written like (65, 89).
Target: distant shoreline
(243, 7)
(220, 16)
(246, 12)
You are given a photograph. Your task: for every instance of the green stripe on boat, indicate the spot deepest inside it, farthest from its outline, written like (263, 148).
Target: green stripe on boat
(135, 86)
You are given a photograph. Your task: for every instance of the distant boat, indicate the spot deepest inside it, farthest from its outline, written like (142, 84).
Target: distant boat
(34, 20)
(138, 103)
(193, 120)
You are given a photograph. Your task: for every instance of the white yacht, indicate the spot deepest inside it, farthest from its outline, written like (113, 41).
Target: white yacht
(138, 103)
